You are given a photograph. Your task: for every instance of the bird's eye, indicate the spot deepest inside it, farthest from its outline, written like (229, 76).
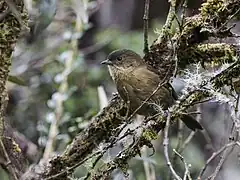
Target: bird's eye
(119, 58)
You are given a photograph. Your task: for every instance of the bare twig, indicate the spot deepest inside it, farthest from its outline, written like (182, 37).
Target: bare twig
(214, 155)
(222, 160)
(203, 101)
(93, 166)
(9, 165)
(165, 146)
(179, 143)
(183, 17)
(174, 56)
(53, 131)
(226, 152)
(169, 21)
(187, 141)
(229, 19)
(145, 26)
(148, 167)
(187, 172)
(237, 104)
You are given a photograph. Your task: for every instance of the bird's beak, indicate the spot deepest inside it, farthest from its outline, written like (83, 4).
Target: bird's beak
(107, 62)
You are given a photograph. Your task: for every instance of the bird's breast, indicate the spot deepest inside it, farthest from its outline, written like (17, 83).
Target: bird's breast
(136, 86)
(119, 74)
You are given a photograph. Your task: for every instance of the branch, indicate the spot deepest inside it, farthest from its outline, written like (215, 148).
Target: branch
(10, 153)
(145, 25)
(165, 146)
(214, 155)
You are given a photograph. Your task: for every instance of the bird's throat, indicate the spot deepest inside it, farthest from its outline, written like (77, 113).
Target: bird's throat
(118, 73)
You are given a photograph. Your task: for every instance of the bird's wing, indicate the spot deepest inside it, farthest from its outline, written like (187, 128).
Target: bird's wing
(146, 82)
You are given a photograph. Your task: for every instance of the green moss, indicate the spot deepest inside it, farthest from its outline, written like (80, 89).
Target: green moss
(150, 135)
(211, 7)
(16, 147)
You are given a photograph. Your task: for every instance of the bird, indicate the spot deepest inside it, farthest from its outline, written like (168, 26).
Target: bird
(135, 82)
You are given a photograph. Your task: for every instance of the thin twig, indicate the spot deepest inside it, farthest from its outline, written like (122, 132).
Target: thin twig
(10, 167)
(165, 146)
(222, 160)
(93, 166)
(169, 21)
(226, 151)
(183, 16)
(179, 144)
(187, 172)
(148, 167)
(229, 19)
(59, 109)
(214, 155)
(202, 101)
(174, 56)
(74, 166)
(145, 26)
(176, 63)
(187, 141)
(237, 104)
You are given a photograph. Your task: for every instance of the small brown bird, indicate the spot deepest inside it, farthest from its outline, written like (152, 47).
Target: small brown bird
(135, 83)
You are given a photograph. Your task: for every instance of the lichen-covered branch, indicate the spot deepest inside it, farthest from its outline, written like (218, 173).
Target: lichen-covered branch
(10, 28)
(211, 22)
(101, 129)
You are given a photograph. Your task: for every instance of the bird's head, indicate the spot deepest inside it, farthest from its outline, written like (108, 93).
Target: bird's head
(123, 59)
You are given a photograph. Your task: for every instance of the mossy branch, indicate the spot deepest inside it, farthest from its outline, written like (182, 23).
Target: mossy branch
(10, 28)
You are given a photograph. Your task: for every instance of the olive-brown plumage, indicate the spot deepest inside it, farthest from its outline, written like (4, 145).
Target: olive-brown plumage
(135, 83)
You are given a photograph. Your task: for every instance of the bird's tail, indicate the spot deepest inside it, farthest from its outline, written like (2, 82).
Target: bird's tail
(190, 122)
